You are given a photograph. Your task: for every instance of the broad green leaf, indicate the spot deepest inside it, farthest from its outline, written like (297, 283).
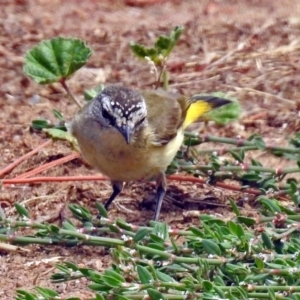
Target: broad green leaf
(111, 281)
(246, 221)
(140, 234)
(39, 124)
(101, 209)
(55, 59)
(46, 292)
(155, 295)
(114, 274)
(267, 241)
(99, 287)
(164, 277)
(58, 134)
(234, 207)
(22, 211)
(211, 247)
(21, 294)
(58, 114)
(269, 204)
(144, 275)
(207, 285)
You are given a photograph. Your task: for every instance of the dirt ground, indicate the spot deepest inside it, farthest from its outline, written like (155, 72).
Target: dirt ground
(249, 49)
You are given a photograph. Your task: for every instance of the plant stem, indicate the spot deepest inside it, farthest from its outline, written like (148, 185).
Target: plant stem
(70, 95)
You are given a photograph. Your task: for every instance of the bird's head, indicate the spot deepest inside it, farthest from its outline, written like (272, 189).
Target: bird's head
(121, 108)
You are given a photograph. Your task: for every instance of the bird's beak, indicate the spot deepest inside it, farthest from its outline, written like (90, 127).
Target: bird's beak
(126, 132)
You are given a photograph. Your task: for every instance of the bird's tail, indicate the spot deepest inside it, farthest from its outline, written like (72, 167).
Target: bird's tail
(199, 105)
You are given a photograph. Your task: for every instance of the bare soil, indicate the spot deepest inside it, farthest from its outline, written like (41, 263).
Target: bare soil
(249, 49)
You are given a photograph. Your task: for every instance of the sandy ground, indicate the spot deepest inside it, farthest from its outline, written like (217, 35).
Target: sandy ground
(249, 49)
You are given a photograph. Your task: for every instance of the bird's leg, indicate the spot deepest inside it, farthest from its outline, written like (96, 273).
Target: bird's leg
(117, 188)
(161, 187)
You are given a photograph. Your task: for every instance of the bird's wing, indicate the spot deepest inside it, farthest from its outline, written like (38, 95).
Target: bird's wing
(165, 114)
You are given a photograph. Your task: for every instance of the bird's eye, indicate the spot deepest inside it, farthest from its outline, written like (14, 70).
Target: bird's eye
(108, 117)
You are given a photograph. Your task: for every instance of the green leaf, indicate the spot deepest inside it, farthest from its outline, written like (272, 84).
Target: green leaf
(111, 281)
(164, 277)
(211, 247)
(140, 234)
(144, 275)
(238, 156)
(115, 275)
(234, 207)
(39, 124)
(258, 141)
(267, 241)
(24, 295)
(55, 59)
(155, 295)
(46, 292)
(58, 134)
(58, 114)
(259, 263)
(246, 221)
(232, 226)
(269, 204)
(80, 212)
(101, 209)
(240, 231)
(22, 211)
(207, 286)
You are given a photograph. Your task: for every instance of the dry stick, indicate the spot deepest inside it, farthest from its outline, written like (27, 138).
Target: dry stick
(54, 179)
(217, 184)
(101, 177)
(10, 167)
(49, 165)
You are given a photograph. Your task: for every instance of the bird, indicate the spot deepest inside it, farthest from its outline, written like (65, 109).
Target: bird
(131, 135)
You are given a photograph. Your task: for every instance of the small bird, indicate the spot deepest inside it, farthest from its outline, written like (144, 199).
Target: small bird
(130, 135)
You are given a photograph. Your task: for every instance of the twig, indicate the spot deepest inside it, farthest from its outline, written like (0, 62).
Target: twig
(10, 167)
(48, 165)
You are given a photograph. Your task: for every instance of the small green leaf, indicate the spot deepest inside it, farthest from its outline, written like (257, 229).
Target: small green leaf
(240, 231)
(22, 211)
(144, 275)
(80, 212)
(55, 59)
(164, 277)
(246, 221)
(232, 226)
(58, 134)
(269, 204)
(114, 274)
(237, 156)
(234, 207)
(101, 209)
(111, 281)
(58, 114)
(211, 247)
(39, 124)
(259, 263)
(140, 234)
(155, 295)
(47, 293)
(24, 295)
(267, 241)
(207, 286)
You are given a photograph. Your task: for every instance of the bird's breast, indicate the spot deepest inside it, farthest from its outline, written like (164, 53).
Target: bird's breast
(107, 151)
